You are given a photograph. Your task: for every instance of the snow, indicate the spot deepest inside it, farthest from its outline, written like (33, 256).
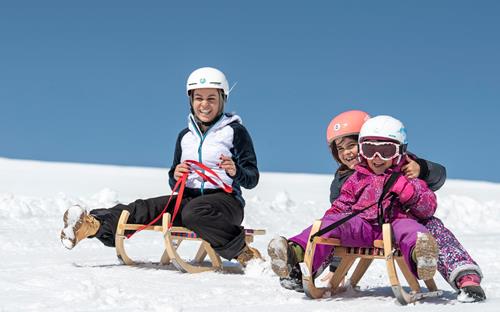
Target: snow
(38, 274)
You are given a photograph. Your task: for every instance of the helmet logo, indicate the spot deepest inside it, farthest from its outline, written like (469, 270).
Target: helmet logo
(336, 127)
(203, 80)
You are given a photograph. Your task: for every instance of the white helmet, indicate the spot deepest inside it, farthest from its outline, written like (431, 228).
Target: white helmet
(383, 127)
(207, 77)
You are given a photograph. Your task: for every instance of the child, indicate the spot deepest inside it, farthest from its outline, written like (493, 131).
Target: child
(212, 137)
(383, 145)
(454, 263)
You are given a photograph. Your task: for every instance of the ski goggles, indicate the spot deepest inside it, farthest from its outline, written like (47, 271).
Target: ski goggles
(384, 150)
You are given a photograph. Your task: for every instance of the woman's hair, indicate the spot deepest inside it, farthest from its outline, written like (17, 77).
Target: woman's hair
(335, 152)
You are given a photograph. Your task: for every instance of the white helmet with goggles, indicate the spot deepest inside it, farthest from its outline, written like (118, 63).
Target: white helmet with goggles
(383, 128)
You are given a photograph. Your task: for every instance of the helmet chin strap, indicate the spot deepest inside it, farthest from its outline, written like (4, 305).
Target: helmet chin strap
(398, 159)
(402, 152)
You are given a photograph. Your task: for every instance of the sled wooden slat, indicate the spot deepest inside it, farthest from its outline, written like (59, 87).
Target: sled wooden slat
(382, 249)
(172, 238)
(134, 227)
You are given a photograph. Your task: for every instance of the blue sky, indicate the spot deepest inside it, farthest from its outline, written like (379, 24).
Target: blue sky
(104, 81)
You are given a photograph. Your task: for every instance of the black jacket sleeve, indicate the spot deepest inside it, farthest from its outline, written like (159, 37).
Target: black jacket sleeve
(432, 173)
(338, 181)
(335, 188)
(247, 173)
(177, 158)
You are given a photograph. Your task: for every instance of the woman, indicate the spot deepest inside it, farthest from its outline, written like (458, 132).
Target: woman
(214, 138)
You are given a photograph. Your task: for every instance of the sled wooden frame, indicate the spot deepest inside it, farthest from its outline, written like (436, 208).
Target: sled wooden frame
(173, 237)
(382, 249)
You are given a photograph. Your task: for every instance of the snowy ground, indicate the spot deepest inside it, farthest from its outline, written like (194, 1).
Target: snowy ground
(38, 274)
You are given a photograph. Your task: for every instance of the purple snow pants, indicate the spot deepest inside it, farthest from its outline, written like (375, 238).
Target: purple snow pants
(357, 232)
(454, 260)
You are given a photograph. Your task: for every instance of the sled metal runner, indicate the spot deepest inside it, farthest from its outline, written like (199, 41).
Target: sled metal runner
(173, 237)
(382, 249)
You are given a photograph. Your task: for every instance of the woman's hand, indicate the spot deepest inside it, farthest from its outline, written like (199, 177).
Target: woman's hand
(411, 169)
(180, 170)
(228, 165)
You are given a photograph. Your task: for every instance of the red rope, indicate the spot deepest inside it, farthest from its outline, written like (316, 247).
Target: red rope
(179, 188)
(178, 201)
(227, 188)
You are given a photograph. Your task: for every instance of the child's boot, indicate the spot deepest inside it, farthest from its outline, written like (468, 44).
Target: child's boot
(425, 255)
(248, 253)
(294, 280)
(284, 255)
(470, 289)
(78, 225)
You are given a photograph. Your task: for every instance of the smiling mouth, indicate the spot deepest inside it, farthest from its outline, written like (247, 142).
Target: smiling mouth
(349, 159)
(205, 112)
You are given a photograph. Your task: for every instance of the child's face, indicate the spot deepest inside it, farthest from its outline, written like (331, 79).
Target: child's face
(378, 165)
(347, 149)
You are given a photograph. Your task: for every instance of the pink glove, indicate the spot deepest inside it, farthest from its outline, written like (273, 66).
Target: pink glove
(404, 189)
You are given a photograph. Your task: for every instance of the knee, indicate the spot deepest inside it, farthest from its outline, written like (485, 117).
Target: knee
(191, 215)
(188, 216)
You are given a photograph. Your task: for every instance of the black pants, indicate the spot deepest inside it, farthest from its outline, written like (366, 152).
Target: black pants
(214, 217)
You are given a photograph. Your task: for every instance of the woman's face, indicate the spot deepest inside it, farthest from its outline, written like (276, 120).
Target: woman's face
(206, 104)
(347, 149)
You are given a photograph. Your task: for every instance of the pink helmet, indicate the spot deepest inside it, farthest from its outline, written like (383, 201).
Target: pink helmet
(346, 123)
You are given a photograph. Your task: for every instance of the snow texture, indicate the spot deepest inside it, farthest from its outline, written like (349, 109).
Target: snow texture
(38, 274)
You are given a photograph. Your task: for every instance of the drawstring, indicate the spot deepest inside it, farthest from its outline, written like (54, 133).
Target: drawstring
(179, 188)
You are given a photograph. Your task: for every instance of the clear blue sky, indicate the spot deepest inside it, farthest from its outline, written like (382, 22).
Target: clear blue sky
(104, 81)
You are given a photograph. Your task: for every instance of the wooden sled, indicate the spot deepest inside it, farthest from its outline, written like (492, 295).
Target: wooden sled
(382, 249)
(173, 237)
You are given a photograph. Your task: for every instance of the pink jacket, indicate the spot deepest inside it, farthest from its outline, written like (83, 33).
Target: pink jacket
(364, 188)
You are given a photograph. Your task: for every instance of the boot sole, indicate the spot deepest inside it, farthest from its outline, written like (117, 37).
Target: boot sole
(278, 251)
(426, 252)
(72, 222)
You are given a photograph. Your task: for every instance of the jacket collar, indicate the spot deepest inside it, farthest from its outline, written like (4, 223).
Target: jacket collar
(223, 121)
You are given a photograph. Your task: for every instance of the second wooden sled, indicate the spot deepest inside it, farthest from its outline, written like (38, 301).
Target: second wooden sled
(382, 249)
(173, 237)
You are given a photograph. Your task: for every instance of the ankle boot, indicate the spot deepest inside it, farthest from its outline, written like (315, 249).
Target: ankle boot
(248, 253)
(284, 256)
(425, 255)
(78, 225)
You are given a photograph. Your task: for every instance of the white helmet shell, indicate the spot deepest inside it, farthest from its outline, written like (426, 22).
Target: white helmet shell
(207, 77)
(383, 127)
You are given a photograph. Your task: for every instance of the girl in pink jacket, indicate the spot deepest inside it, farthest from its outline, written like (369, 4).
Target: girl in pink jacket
(382, 149)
